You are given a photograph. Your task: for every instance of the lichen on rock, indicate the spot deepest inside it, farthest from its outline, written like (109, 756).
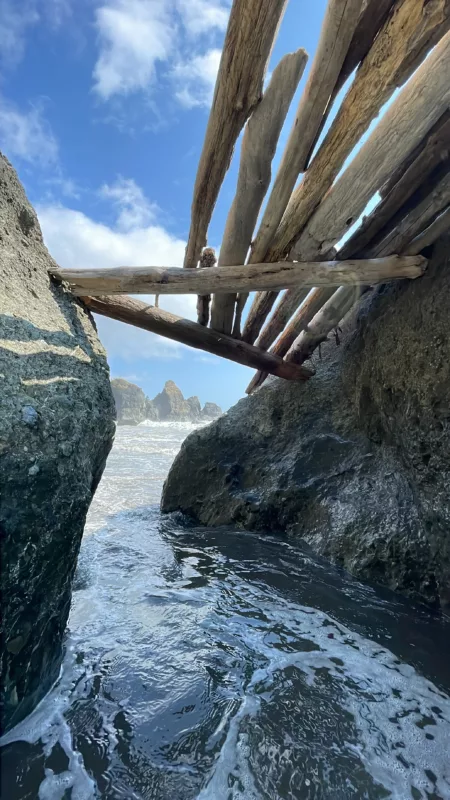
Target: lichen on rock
(56, 429)
(357, 461)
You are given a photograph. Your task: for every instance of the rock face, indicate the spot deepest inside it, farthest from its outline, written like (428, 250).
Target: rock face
(357, 461)
(171, 404)
(56, 429)
(211, 411)
(130, 401)
(133, 407)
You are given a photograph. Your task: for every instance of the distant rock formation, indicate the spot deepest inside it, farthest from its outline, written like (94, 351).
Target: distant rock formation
(133, 406)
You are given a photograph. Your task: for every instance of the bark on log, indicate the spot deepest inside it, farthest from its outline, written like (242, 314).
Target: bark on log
(339, 24)
(419, 105)
(175, 280)
(207, 259)
(437, 228)
(257, 151)
(413, 28)
(434, 149)
(141, 315)
(251, 31)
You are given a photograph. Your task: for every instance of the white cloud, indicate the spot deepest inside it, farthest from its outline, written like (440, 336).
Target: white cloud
(201, 16)
(15, 18)
(134, 35)
(76, 240)
(195, 79)
(135, 211)
(27, 135)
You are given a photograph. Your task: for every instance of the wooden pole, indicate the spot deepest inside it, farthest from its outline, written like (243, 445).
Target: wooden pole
(434, 149)
(437, 228)
(411, 29)
(175, 280)
(207, 260)
(257, 151)
(418, 106)
(299, 322)
(141, 315)
(251, 31)
(339, 24)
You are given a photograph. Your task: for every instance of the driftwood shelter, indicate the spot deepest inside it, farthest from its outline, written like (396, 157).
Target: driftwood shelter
(288, 249)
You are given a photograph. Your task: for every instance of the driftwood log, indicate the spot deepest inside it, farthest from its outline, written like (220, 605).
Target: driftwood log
(207, 260)
(251, 31)
(175, 280)
(338, 27)
(141, 315)
(258, 148)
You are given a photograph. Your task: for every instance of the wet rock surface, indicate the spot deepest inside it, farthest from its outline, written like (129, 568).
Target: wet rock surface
(357, 461)
(56, 429)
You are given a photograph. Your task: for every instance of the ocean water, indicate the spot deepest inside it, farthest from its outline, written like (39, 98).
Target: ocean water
(222, 665)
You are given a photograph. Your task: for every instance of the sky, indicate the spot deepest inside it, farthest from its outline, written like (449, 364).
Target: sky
(103, 110)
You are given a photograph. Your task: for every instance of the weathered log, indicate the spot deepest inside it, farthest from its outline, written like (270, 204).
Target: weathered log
(434, 149)
(418, 106)
(438, 227)
(413, 28)
(141, 315)
(299, 322)
(338, 27)
(207, 260)
(258, 148)
(372, 18)
(415, 221)
(328, 318)
(251, 31)
(175, 280)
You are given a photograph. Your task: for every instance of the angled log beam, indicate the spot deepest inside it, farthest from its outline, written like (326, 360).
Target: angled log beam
(299, 322)
(373, 17)
(257, 151)
(251, 31)
(175, 280)
(427, 237)
(435, 148)
(339, 24)
(411, 30)
(418, 219)
(328, 318)
(418, 106)
(134, 312)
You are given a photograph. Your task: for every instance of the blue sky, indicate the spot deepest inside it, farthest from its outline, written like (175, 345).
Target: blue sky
(103, 108)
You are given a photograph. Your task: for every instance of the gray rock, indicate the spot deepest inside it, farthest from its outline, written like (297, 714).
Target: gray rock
(151, 412)
(211, 411)
(130, 401)
(171, 404)
(56, 429)
(357, 461)
(195, 408)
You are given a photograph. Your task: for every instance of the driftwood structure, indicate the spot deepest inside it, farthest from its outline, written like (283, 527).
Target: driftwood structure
(311, 243)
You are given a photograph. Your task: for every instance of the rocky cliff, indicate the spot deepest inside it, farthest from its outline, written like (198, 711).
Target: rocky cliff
(134, 407)
(56, 429)
(357, 461)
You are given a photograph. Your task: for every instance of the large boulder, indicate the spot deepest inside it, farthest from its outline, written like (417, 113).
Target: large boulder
(56, 429)
(357, 461)
(130, 401)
